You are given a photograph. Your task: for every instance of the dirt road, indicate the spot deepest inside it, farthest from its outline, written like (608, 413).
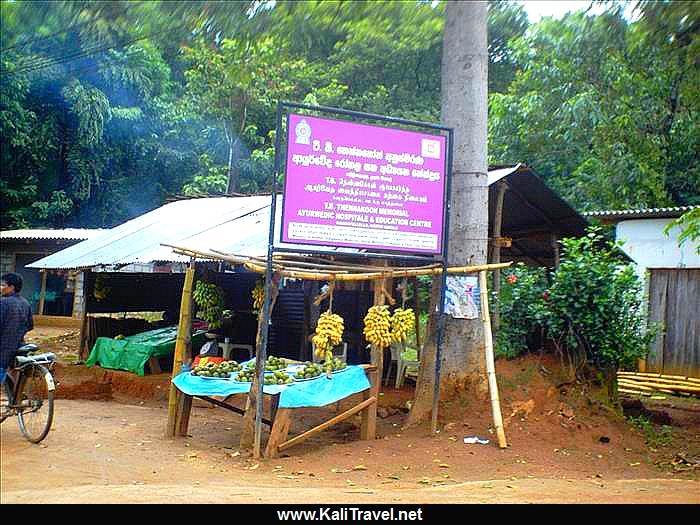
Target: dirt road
(113, 452)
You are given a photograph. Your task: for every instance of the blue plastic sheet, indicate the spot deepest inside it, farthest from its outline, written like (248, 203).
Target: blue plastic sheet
(317, 392)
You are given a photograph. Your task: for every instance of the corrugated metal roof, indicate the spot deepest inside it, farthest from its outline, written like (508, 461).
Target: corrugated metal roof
(230, 224)
(642, 213)
(75, 234)
(239, 225)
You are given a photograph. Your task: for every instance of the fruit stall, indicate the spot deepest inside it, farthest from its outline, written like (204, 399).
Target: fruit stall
(288, 384)
(341, 221)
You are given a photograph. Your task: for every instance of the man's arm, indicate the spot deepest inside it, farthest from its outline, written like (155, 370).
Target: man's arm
(3, 316)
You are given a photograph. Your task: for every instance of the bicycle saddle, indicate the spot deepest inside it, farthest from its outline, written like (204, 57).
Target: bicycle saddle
(25, 349)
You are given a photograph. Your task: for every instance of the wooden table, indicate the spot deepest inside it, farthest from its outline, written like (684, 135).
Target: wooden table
(280, 419)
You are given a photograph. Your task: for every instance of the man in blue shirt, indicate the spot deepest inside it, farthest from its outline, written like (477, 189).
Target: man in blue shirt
(15, 320)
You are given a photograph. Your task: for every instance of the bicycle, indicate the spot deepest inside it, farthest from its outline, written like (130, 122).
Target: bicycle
(28, 393)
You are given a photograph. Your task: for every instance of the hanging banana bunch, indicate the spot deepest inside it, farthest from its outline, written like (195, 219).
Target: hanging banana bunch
(329, 333)
(258, 296)
(403, 323)
(377, 329)
(210, 301)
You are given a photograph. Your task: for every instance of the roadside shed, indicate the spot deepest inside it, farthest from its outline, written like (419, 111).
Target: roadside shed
(527, 217)
(672, 276)
(61, 288)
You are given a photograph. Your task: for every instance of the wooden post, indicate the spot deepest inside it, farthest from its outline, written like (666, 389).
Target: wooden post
(377, 354)
(326, 424)
(368, 429)
(183, 344)
(82, 351)
(555, 247)
(416, 313)
(496, 252)
(278, 432)
(42, 293)
(184, 410)
(490, 365)
(248, 433)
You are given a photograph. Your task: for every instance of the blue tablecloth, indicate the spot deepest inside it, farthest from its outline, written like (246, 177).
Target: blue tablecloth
(317, 392)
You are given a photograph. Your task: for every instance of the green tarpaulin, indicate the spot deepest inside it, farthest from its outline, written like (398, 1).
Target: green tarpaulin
(133, 352)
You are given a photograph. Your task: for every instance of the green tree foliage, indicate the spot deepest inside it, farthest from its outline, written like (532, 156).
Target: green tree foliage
(689, 223)
(522, 309)
(605, 110)
(107, 108)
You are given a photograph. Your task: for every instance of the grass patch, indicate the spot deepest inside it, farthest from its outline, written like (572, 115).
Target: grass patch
(656, 436)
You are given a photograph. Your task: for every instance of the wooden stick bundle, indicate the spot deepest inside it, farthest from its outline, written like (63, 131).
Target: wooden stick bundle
(646, 382)
(688, 379)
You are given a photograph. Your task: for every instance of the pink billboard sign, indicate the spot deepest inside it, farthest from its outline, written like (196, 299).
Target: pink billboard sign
(362, 186)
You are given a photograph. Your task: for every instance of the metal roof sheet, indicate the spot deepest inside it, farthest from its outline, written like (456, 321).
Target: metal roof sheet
(642, 213)
(76, 234)
(230, 224)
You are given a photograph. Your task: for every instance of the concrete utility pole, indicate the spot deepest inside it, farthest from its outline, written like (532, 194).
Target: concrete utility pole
(464, 108)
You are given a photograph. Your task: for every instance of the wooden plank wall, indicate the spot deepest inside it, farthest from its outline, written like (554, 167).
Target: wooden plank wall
(674, 301)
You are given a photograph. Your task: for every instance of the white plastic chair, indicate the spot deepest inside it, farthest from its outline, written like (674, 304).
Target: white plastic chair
(408, 364)
(396, 349)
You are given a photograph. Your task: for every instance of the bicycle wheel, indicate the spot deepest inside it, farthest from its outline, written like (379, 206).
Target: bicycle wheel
(35, 403)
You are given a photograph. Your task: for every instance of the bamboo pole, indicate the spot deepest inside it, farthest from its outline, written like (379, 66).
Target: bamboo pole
(633, 392)
(650, 390)
(661, 380)
(182, 343)
(490, 364)
(299, 273)
(648, 384)
(661, 376)
(391, 273)
(289, 258)
(676, 382)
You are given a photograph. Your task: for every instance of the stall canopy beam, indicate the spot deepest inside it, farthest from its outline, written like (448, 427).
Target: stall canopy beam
(331, 274)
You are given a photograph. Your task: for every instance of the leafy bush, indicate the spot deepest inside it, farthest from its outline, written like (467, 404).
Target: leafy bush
(595, 307)
(592, 311)
(522, 307)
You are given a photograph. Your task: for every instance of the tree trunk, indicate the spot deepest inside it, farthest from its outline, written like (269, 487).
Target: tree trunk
(464, 108)
(234, 171)
(232, 168)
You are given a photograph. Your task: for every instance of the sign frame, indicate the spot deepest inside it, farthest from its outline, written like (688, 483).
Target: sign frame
(325, 112)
